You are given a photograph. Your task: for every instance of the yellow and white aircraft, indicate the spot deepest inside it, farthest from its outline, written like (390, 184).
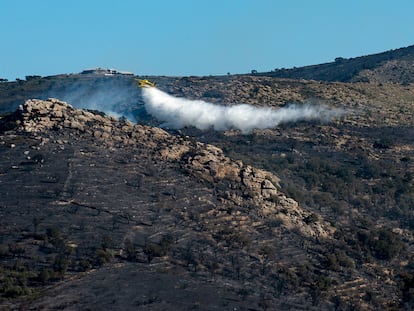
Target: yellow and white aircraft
(145, 83)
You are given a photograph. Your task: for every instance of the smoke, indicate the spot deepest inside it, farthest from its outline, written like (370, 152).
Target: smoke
(119, 97)
(177, 113)
(114, 97)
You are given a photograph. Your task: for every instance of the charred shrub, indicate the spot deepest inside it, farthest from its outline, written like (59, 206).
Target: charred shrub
(383, 143)
(213, 94)
(382, 244)
(153, 250)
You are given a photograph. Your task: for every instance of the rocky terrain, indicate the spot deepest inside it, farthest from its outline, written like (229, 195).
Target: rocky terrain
(100, 199)
(98, 191)
(102, 213)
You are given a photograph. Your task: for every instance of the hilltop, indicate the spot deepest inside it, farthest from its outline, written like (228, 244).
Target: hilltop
(391, 66)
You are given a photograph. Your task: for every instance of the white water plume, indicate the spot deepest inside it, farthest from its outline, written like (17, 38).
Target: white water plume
(177, 113)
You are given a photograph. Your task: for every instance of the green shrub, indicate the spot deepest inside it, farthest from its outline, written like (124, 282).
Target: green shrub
(60, 264)
(103, 256)
(84, 264)
(45, 275)
(12, 288)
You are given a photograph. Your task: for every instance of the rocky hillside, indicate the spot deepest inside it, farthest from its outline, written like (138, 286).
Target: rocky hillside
(391, 66)
(100, 212)
(88, 199)
(357, 172)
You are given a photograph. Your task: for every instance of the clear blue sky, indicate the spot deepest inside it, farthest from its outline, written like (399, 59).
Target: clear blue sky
(194, 37)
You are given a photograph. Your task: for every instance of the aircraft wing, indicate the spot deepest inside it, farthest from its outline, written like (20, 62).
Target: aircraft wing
(145, 83)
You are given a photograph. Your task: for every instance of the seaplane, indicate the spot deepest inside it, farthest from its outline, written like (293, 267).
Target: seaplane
(145, 83)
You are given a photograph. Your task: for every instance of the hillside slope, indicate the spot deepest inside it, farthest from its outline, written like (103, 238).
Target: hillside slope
(390, 66)
(136, 200)
(129, 216)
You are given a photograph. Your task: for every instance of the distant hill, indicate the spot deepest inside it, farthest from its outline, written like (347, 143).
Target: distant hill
(391, 66)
